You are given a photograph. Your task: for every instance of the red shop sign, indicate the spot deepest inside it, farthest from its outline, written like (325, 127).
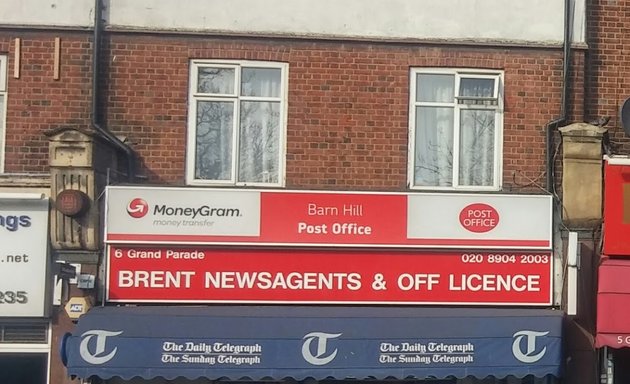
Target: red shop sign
(207, 275)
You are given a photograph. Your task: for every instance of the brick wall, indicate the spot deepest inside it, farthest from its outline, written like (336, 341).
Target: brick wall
(348, 102)
(608, 65)
(37, 102)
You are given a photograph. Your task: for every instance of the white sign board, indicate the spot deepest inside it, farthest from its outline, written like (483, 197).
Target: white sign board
(510, 221)
(167, 215)
(160, 212)
(24, 256)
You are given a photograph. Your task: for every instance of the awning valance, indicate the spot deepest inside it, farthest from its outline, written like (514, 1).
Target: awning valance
(613, 304)
(265, 342)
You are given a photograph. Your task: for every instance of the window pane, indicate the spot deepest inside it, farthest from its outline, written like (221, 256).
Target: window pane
(1, 115)
(259, 149)
(263, 82)
(476, 87)
(213, 159)
(216, 80)
(434, 147)
(436, 88)
(2, 135)
(476, 154)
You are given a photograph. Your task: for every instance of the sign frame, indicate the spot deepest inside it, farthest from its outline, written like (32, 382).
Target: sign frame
(25, 251)
(147, 274)
(285, 218)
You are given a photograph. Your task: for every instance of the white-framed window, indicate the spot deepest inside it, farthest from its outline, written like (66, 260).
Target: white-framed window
(237, 123)
(3, 108)
(455, 129)
(25, 351)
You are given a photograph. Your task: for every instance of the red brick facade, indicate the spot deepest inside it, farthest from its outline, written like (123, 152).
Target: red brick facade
(348, 105)
(608, 74)
(348, 102)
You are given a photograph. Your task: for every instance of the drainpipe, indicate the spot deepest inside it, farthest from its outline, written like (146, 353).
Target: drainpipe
(561, 120)
(553, 126)
(110, 137)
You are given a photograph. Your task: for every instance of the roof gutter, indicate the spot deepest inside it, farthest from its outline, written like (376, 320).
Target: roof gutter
(110, 137)
(562, 119)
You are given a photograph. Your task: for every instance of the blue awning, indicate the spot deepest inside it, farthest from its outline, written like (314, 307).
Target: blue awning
(271, 342)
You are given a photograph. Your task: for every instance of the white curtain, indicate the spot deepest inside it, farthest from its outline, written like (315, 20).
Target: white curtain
(1, 123)
(477, 134)
(215, 124)
(434, 131)
(476, 154)
(434, 146)
(259, 131)
(213, 160)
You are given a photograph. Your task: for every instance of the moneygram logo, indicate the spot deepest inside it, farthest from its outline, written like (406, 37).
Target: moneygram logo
(137, 208)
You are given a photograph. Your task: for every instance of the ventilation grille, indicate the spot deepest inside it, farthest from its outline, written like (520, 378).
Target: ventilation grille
(13, 333)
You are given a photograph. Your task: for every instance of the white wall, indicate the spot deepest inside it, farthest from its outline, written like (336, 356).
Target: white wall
(67, 13)
(532, 21)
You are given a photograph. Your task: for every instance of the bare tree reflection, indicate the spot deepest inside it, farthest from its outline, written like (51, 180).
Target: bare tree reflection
(434, 165)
